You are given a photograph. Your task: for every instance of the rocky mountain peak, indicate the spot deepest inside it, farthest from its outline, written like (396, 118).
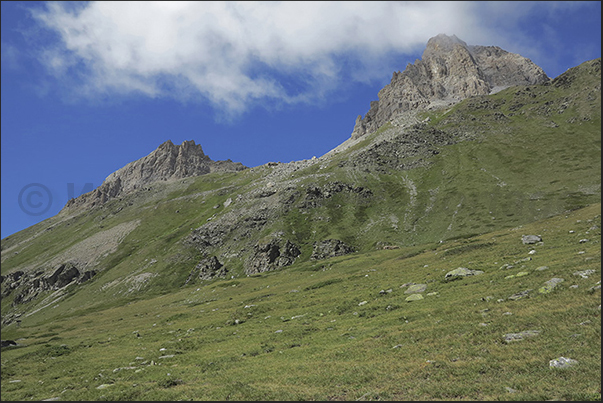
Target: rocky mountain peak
(442, 43)
(449, 71)
(167, 162)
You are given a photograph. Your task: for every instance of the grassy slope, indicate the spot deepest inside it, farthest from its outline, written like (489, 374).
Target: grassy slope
(303, 333)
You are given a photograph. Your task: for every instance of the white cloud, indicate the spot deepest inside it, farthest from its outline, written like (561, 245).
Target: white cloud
(235, 53)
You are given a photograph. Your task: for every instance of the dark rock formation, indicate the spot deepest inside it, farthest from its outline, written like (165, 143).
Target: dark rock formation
(167, 162)
(207, 269)
(448, 71)
(8, 343)
(330, 248)
(316, 193)
(29, 286)
(271, 256)
(63, 275)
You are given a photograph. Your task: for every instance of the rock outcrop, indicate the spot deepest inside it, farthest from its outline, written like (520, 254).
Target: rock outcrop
(167, 162)
(448, 71)
(29, 286)
(330, 248)
(271, 256)
(208, 269)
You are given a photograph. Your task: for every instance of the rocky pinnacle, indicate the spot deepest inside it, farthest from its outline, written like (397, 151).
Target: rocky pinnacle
(448, 72)
(167, 162)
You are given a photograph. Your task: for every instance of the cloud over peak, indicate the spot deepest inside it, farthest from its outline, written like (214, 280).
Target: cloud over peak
(235, 53)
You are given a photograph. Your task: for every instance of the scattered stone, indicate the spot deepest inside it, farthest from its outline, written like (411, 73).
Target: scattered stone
(461, 272)
(122, 368)
(510, 337)
(520, 295)
(583, 240)
(510, 390)
(506, 266)
(542, 268)
(562, 363)
(414, 297)
(104, 386)
(362, 303)
(520, 274)
(416, 289)
(584, 273)
(429, 294)
(166, 356)
(530, 239)
(550, 285)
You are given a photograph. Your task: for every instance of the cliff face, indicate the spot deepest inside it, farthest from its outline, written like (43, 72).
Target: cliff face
(448, 71)
(167, 162)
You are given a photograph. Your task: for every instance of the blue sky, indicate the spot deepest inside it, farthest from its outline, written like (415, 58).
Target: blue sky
(89, 87)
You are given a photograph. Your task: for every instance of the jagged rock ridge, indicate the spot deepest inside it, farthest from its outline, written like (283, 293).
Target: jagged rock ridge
(167, 162)
(448, 71)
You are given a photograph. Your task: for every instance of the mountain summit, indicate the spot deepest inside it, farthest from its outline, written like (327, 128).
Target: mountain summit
(448, 71)
(167, 162)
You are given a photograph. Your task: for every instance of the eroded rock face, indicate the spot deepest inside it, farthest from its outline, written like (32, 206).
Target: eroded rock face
(207, 269)
(167, 162)
(271, 256)
(448, 71)
(330, 248)
(29, 286)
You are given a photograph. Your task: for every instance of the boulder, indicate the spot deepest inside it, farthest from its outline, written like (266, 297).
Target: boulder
(550, 285)
(530, 239)
(562, 363)
(416, 289)
(461, 272)
(414, 297)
